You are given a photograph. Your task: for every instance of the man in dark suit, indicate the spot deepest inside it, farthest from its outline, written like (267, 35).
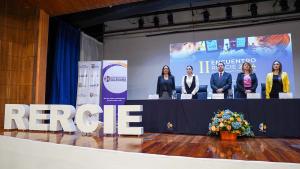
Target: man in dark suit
(221, 81)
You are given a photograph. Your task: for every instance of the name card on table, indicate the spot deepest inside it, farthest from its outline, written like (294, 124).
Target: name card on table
(186, 96)
(285, 95)
(217, 96)
(153, 96)
(253, 96)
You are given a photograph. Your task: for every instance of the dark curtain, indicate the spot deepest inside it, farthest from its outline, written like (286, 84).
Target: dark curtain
(62, 63)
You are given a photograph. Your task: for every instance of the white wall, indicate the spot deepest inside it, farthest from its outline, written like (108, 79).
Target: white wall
(147, 55)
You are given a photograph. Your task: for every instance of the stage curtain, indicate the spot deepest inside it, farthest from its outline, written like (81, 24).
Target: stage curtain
(62, 66)
(90, 48)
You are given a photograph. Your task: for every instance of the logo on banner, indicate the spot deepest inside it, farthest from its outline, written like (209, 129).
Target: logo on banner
(83, 75)
(93, 95)
(94, 66)
(81, 85)
(113, 83)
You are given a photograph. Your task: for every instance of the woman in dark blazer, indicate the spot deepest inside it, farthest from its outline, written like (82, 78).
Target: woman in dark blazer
(246, 81)
(165, 83)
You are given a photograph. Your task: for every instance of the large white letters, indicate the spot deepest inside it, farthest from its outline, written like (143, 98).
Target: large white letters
(16, 116)
(110, 119)
(62, 118)
(125, 118)
(34, 117)
(87, 117)
(38, 116)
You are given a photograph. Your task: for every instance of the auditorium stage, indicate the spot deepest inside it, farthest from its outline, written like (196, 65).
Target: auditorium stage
(281, 116)
(257, 149)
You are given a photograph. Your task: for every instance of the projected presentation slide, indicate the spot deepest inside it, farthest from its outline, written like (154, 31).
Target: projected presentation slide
(260, 51)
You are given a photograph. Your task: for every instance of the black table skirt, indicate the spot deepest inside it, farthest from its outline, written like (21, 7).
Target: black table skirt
(282, 117)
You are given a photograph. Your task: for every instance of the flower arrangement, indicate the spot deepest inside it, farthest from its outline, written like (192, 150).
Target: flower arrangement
(231, 122)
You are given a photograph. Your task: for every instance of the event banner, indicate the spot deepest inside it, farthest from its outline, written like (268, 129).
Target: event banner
(260, 51)
(114, 82)
(89, 80)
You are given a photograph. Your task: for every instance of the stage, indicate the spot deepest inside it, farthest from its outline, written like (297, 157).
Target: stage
(281, 116)
(252, 149)
(175, 137)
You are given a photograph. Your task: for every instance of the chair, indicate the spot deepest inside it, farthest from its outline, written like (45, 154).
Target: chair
(202, 92)
(235, 91)
(263, 90)
(178, 92)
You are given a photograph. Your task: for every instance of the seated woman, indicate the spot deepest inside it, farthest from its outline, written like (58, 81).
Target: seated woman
(277, 81)
(246, 81)
(165, 83)
(190, 83)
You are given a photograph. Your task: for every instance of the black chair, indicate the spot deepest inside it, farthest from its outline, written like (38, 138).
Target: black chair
(178, 92)
(263, 90)
(235, 91)
(202, 92)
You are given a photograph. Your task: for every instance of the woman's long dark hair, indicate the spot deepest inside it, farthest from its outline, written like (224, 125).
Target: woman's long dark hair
(162, 71)
(280, 66)
(250, 66)
(190, 67)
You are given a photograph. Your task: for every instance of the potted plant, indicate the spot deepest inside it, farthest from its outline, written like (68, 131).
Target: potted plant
(229, 125)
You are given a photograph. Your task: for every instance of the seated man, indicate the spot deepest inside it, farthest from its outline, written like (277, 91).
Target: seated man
(221, 81)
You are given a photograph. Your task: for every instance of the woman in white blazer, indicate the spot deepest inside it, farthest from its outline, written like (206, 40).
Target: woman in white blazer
(190, 83)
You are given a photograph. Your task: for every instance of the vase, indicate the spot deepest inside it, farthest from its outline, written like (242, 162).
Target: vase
(226, 135)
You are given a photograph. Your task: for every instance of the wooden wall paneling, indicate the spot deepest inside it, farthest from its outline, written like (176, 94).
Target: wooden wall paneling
(18, 51)
(40, 81)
